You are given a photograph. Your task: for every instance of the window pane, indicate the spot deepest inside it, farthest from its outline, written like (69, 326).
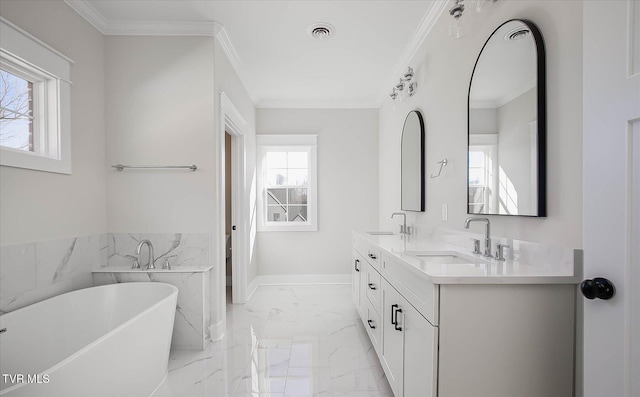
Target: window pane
(15, 93)
(276, 196)
(298, 177)
(297, 213)
(16, 125)
(297, 196)
(276, 177)
(476, 176)
(276, 159)
(16, 134)
(298, 160)
(476, 195)
(476, 159)
(276, 213)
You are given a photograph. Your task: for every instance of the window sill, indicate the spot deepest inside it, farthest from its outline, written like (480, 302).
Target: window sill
(287, 228)
(31, 161)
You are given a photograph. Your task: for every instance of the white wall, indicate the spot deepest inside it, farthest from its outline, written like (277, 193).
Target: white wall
(514, 153)
(36, 205)
(347, 189)
(159, 110)
(443, 69)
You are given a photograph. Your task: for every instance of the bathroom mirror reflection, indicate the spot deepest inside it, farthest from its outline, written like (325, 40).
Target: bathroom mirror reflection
(412, 163)
(507, 119)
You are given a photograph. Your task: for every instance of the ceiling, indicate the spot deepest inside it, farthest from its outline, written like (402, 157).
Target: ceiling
(268, 44)
(506, 68)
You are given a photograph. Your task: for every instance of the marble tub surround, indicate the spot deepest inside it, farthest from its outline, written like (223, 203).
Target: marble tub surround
(182, 249)
(526, 262)
(36, 271)
(285, 341)
(192, 325)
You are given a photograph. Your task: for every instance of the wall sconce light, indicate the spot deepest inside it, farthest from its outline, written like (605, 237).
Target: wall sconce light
(405, 87)
(455, 26)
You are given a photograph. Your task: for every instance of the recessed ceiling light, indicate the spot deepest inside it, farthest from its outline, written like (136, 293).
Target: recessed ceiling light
(518, 33)
(321, 31)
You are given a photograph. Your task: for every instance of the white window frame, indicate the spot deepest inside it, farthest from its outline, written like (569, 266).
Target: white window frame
(289, 142)
(49, 71)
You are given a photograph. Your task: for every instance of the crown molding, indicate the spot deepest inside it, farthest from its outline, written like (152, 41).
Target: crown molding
(229, 49)
(412, 48)
(89, 13)
(142, 28)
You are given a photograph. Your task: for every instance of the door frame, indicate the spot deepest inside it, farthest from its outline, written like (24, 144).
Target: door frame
(232, 122)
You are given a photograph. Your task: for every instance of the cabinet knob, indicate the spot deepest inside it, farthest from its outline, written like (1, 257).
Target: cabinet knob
(370, 322)
(356, 265)
(372, 286)
(598, 287)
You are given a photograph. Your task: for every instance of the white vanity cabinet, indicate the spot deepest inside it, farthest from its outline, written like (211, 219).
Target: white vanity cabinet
(405, 341)
(440, 336)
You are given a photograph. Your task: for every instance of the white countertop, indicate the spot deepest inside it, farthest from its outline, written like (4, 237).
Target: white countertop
(128, 269)
(469, 268)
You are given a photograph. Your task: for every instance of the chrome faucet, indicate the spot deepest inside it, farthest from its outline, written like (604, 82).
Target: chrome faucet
(487, 233)
(136, 262)
(403, 227)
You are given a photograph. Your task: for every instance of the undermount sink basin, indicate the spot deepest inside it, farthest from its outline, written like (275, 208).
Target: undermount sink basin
(380, 233)
(445, 258)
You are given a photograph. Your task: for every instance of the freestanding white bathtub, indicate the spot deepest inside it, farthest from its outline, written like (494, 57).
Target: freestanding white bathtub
(112, 340)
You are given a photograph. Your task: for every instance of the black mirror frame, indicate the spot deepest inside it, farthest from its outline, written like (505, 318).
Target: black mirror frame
(541, 102)
(422, 162)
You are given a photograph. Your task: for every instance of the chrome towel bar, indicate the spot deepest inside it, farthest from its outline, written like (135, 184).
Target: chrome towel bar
(121, 167)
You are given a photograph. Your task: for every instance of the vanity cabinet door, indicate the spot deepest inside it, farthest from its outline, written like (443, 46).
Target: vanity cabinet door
(392, 350)
(409, 347)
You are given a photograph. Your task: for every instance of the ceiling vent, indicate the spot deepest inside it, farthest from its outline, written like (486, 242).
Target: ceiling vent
(518, 33)
(321, 31)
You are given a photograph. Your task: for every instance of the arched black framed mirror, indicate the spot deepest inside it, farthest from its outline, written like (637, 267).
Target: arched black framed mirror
(507, 124)
(412, 163)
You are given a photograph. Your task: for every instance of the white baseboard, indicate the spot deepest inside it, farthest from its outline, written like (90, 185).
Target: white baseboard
(251, 288)
(303, 279)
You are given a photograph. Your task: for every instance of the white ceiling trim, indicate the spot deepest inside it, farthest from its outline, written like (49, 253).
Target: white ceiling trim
(276, 104)
(412, 48)
(142, 28)
(89, 13)
(229, 49)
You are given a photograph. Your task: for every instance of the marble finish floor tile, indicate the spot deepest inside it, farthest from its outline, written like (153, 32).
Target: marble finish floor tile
(286, 341)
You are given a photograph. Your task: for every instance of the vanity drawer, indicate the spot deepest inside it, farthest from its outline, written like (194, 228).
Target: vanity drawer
(373, 326)
(422, 294)
(373, 287)
(369, 251)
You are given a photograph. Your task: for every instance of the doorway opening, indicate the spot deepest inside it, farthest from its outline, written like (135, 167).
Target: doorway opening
(228, 206)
